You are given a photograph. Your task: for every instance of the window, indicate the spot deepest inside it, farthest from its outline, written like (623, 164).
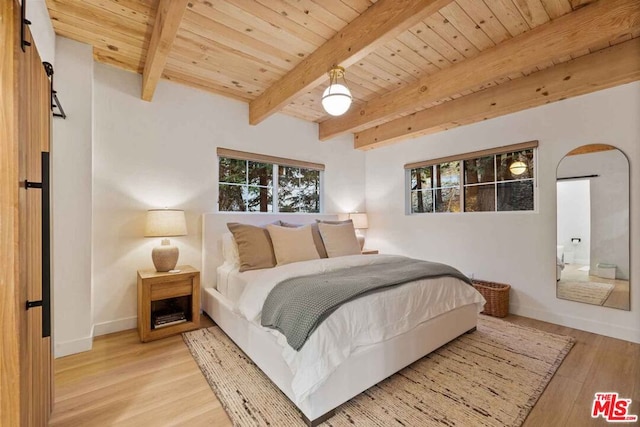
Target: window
(298, 190)
(491, 183)
(248, 182)
(500, 179)
(245, 186)
(436, 188)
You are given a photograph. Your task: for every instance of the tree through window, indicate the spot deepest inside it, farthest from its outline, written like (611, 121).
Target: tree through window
(248, 185)
(487, 181)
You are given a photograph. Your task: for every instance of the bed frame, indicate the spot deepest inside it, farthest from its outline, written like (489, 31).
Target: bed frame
(364, 368)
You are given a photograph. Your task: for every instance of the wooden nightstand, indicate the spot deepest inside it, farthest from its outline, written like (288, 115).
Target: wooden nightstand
(369, 252)
(164, 293)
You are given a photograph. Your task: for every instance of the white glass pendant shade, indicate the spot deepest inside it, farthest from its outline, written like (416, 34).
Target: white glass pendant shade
(336, 99)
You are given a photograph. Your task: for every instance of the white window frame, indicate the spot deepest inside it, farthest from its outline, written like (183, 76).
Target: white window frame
(276, 162)
(433, 189)
(533, 145)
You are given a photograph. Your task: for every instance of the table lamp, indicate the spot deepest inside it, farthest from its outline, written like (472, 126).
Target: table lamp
(360, 222)
(165, 223)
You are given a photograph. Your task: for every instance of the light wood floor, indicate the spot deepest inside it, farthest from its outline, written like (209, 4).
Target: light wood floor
(122, 382)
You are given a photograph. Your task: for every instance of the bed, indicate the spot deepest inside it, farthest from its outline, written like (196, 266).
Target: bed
(316, 382)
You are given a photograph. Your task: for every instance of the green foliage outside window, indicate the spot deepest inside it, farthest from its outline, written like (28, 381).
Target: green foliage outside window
(247, 186)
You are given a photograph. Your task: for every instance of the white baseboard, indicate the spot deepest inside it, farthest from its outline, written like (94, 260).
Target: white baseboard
(67, 348)
(581, 323)
(115, 326)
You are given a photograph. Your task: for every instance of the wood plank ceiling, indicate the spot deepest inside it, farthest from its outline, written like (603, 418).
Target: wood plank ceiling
(240, 48)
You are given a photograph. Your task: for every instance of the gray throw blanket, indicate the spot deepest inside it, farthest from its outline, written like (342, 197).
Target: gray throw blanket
(296, 306)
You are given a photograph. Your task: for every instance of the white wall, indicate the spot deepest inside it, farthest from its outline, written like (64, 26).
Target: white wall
(71, 199)
(163, 153)
(71, 194)
(515, 248)
(41, 29)
(609, 205)
(149, 155)
(574, 220)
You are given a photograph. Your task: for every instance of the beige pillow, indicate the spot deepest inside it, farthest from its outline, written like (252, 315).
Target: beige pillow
(292, 244)
(317, 239)
(254, 246)
(339, 239)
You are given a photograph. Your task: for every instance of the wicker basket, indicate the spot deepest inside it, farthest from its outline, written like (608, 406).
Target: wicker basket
(497, 296)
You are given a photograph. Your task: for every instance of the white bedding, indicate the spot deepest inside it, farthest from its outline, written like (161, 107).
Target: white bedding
(364, 321)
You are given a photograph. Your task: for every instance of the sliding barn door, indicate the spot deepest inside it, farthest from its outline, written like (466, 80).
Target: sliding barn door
(35, 134)
(13, 381)
(25, 353)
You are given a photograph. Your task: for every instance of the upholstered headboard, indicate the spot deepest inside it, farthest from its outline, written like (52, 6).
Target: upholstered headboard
(214, 225)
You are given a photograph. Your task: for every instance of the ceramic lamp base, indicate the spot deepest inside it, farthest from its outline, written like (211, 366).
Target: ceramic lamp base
(165, 257)
(360, 240)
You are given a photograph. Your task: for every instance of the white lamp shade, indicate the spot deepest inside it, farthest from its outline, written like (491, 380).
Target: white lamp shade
(336, 99)
(360, 220)
(165, 223)
(518, 168)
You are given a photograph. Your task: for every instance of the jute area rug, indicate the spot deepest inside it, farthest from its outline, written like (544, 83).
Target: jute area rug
(491, 377)
(589, 292)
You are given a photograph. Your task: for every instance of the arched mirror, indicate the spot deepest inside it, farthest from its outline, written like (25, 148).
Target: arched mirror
(593, 227)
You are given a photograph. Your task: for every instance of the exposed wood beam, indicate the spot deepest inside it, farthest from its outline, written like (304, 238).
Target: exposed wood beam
(168, 19)
(592, 24)
(378, 24)
(605, 68)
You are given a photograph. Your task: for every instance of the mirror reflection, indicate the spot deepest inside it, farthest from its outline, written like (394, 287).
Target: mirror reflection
(593, 227)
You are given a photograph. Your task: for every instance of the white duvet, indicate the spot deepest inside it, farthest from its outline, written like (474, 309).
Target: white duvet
(368, 320)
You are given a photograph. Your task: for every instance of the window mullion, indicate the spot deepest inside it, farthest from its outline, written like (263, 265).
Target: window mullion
(321, 191)
(495, 183)
(275, 188)
(462, 198)
(245, 188)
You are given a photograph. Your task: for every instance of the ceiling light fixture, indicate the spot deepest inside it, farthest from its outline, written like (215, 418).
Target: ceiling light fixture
(336, 99)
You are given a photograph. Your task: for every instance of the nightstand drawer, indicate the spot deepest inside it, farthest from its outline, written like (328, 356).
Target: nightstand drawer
(171, 289)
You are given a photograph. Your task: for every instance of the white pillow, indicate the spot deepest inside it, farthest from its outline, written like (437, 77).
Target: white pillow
(230, 250)
(339, 239)
(292, 244)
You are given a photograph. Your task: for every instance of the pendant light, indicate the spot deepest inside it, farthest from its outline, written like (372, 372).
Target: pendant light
(336, 99)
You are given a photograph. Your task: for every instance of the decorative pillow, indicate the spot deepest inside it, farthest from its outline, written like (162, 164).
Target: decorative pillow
(339, 239)
(230, 250)
(292, 244)
(255, 249)
(317, 239)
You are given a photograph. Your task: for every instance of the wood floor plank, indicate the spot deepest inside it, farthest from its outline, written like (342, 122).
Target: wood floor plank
(123, 382)
(561, 392)
(613, 370)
